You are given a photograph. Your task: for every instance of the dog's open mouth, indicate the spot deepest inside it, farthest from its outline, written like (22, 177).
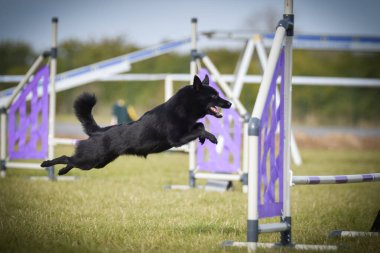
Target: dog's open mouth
(215, 111)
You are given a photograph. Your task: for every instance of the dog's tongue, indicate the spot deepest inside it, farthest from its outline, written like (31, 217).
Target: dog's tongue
(216, 111)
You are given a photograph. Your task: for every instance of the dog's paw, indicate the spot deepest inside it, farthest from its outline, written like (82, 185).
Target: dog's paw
(212, 138)
(45, 164)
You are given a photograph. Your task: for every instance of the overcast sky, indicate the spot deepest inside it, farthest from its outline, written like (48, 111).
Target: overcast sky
(149, 22)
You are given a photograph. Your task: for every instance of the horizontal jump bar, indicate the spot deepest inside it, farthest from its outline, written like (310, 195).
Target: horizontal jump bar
(273, 227)
(249, 79)
(336, 179)
(217, 176)
(254, 245)
(341, 233)
(24, 165)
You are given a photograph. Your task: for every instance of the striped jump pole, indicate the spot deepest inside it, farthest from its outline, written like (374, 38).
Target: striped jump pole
(335, 179)
(374, 231)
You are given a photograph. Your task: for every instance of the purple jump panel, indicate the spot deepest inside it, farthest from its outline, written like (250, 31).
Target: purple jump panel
(271, 149)
(225, 156)
(28, 120)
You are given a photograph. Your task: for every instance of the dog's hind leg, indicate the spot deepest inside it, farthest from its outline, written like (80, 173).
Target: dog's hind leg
(64, 170)
(59, 160)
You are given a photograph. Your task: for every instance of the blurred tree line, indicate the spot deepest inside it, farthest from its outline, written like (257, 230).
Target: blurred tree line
(311, 104)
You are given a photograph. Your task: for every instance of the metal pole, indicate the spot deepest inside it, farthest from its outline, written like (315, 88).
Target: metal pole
(245, 154)
(3, 142)
(52, 100)
(253, 189)
(336, 179)
(289, 17)
(193, 71)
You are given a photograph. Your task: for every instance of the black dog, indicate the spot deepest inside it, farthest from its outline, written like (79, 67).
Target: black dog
(171, 124)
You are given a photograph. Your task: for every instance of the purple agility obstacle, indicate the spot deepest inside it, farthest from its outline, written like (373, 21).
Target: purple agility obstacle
(270, 153)
(28, 122)
(226, 155)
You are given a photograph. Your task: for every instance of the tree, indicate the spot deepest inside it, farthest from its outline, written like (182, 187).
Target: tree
(16, 57)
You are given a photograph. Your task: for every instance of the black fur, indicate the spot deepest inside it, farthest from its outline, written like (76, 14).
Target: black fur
(171, 124)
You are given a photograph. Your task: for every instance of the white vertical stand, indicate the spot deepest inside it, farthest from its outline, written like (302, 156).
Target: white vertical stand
(193, 71)
(3, 141)
(288, 62)
(168, 87)
(52, 97)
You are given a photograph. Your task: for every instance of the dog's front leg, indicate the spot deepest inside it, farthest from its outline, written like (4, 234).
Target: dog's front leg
(204, 134)
(198, 131)
(194, 134)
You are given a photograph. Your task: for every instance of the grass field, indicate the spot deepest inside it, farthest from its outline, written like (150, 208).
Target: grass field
(124, 208)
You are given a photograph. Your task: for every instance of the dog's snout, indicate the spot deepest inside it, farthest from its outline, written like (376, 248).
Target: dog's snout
(223, 103)
(226, 104)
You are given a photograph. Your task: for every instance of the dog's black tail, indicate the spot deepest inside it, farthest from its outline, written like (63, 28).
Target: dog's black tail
(83, 110)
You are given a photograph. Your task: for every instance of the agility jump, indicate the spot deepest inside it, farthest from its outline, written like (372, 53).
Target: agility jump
(56, 83)
(269, 161)
(30, 125)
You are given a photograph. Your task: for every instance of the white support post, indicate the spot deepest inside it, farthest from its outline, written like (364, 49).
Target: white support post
(193, 71)
(52, 93)
(168, 87)
(288, 62)
(261, 53)
(294, 150)
(245, 154)
(253, 189)
(3, 141)
(243, 68)
(287, 111)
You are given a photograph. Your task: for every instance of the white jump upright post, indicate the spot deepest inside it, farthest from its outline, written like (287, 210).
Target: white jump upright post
(283, 34)
(52, 93)
(288, 22)
(3, 144)
(193, 72)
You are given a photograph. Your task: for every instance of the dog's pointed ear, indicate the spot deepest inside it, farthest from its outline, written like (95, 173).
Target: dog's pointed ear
(197, 84)
(206, 81)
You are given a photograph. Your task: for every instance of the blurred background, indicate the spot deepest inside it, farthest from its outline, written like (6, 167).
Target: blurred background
(91, 31)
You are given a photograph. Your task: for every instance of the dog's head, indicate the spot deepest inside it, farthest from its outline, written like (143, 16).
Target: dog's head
(208, 98)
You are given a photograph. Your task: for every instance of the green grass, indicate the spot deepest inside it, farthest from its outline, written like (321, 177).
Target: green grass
(124, 208)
